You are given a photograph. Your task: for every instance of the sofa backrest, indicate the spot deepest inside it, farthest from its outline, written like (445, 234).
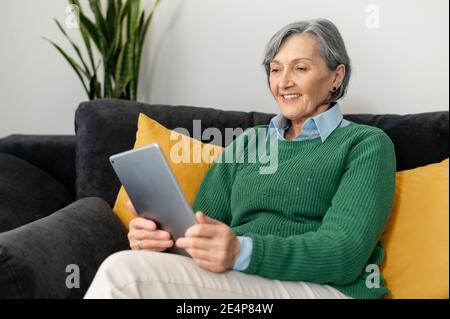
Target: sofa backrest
(106, 127)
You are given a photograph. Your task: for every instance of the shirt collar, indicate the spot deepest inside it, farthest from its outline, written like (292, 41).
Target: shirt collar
(324, 123)
(277, 125)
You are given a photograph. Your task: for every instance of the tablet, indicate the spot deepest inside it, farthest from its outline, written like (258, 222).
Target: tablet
(154, 190)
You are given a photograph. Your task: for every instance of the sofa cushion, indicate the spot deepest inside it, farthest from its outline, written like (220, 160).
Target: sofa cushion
(54, 154)
(416, 237)
(27, 193)
(106, 127)
(49, 257)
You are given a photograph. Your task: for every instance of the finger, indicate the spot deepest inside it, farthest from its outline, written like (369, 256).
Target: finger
(137, 245)
(155, 244)
(213, 256)
(131, 208)
(155, 249)
(142, 223)
(195, 243)
(159, 235)
(202, 230)
(199, 254)
(211, 266)
(141, 234)
(203, 219)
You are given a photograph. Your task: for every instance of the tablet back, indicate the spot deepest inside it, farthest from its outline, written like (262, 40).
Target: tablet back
(154, 190)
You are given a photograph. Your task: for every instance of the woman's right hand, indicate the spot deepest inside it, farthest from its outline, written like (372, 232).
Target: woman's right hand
(144, 235)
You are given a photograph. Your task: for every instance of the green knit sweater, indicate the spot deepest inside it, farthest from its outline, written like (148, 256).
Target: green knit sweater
(319, 216)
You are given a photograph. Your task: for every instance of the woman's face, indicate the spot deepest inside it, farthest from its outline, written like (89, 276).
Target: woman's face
(300, 79)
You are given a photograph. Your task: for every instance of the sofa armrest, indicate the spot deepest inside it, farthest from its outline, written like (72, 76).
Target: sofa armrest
(34, 258)
(54, 154)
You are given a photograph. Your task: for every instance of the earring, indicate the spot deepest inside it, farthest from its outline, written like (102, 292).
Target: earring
(334, 89)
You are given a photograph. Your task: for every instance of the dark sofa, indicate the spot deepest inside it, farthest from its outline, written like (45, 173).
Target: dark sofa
(56, 192)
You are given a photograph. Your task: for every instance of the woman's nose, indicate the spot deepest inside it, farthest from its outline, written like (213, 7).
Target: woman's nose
(285, 81)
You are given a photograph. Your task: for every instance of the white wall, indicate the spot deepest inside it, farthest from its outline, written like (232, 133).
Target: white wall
(209, 52)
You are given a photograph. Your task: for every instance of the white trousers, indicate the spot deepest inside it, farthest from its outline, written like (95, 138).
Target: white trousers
(144, 274)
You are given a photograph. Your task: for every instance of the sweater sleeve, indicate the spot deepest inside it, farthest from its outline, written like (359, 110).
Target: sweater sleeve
(338, 251)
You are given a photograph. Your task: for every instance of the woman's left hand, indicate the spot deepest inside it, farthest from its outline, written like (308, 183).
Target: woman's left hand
(211, 243)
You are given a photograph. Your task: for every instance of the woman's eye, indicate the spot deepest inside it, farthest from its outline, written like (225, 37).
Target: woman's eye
(300, 69)
(274, 70)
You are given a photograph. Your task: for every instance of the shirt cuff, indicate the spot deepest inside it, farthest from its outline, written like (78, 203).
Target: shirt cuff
(245, 254)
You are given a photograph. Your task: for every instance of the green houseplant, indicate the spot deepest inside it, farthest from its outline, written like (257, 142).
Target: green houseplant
(118, 32)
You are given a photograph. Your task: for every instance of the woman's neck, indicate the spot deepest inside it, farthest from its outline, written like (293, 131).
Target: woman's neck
(296, 125)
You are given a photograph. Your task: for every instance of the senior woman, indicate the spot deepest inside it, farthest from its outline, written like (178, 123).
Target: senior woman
(311, 229)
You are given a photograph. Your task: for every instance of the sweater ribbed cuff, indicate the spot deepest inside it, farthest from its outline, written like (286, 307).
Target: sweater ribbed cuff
(257, 254)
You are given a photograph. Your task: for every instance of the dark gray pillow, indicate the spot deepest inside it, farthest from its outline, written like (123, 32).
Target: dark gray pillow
(34, 258)
(27, 193)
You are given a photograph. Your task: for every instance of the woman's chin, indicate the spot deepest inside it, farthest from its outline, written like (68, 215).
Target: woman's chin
(291, 112)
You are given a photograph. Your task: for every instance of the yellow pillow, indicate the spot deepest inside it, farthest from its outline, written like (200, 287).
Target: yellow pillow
(188, 158)
(416, 238)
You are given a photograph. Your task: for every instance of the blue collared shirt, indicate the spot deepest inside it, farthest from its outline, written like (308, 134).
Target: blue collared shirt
(322, 126)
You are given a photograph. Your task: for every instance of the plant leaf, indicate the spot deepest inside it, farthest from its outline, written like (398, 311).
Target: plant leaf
(123, 70)
(133, 19)
(94, 87)
(85, 35)
(100, 20)
(75, 66)
(111, 19)
(75, 2)
(147, 22)
(77, 50)
(91, 29)
(118, 33)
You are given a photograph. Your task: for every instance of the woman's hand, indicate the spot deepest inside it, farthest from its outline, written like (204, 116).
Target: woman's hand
(211, 243)
(143, 234)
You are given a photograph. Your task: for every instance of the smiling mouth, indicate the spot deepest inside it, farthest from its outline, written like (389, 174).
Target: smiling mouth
(290, 98)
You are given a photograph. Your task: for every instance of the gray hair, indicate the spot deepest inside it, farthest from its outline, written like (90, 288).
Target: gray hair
(332, 47)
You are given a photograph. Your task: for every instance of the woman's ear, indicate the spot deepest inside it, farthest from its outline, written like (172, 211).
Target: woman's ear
(338, 77)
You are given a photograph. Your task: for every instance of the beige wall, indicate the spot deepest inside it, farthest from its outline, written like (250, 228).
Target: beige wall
(208, 53)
